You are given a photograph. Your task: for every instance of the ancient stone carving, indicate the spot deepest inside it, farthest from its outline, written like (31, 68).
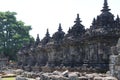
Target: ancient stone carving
(79, 47)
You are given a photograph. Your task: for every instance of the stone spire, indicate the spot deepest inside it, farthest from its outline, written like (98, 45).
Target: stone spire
(47, 33)
(37, 40)
(60, 28)
(106, 18)
(69, 30)
(77, 21)
(59, 35)
(93, 24)
(118, 19)
(105, 7)
(94, 21)
(46, 39)
(77, 29)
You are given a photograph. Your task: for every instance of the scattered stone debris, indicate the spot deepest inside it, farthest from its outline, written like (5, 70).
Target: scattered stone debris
(66, 75)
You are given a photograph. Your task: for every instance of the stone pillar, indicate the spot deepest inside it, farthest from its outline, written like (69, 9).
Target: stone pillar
(112, 64)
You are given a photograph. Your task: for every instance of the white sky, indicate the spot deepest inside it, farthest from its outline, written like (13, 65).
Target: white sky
(43, 14)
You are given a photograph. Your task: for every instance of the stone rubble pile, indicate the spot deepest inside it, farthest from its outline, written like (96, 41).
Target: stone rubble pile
(66, 75)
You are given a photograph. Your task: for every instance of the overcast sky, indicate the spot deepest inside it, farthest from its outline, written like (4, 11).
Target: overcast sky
(43, 14)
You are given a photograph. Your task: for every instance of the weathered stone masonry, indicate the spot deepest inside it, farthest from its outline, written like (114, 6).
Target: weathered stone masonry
(78, 47)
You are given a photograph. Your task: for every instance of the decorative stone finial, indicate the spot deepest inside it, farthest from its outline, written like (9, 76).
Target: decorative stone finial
(60, 28)
(117, 19)
(77, 19)
(47, 33)
(38, 37)
(105, 7)
(94, 21)
(37, 40)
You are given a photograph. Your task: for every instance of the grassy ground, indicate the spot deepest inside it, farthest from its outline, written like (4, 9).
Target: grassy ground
(11, 78)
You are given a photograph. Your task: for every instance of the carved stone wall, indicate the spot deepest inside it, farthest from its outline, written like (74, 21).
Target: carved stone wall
(79, 47)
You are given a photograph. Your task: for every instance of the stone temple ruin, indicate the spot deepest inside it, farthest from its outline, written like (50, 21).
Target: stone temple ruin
(80, 47)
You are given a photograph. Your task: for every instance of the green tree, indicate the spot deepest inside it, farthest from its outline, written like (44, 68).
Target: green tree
(13, 34)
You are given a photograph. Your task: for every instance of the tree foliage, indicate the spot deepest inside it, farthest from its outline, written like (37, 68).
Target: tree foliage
(13, 34)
